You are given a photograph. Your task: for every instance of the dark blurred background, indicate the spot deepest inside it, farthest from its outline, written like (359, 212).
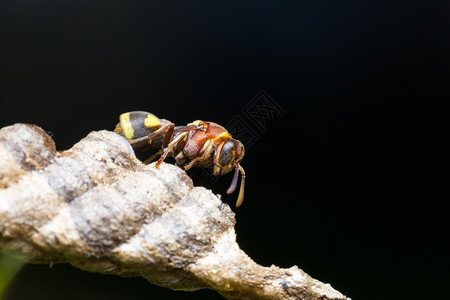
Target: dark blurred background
(347, 169)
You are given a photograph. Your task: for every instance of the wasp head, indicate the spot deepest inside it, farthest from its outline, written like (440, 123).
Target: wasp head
(227, 157)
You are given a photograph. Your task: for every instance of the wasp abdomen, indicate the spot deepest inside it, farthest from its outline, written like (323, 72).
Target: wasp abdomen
(137, 124)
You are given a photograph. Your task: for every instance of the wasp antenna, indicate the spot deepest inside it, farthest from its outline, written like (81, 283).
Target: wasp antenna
(241, 191)
(234, 181)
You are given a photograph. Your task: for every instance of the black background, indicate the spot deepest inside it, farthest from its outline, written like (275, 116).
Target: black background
(349, 183)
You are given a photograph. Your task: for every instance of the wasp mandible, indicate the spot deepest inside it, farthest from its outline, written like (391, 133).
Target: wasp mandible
(198, 144)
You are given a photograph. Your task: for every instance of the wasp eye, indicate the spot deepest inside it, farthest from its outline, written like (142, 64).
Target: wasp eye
(227, 153)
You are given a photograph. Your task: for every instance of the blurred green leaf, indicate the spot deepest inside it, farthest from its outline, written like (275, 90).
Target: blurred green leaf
(9, 267)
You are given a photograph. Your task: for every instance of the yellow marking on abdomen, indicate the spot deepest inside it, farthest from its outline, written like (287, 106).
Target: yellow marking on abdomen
(128, 130)
(151, 121)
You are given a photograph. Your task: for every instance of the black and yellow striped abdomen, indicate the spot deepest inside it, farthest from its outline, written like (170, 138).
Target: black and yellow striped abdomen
(137, 124)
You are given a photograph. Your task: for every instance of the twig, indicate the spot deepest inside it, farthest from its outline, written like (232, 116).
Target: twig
(100, 209)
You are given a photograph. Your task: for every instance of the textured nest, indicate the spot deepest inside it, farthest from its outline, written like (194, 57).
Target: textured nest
(100, 209)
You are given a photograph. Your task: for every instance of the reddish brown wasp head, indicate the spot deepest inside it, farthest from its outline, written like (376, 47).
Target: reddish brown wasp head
(227, 157)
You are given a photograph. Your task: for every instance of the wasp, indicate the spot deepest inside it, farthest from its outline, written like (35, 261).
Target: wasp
(198, 144)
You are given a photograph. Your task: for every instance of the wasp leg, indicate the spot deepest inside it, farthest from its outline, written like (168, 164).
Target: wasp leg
(166, 130)
(154, 140)
(169, 133)
(172, 145)
(152, 158)
(139, 144)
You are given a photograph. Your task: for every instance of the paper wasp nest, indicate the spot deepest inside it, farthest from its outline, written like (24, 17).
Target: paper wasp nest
(100, 209)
